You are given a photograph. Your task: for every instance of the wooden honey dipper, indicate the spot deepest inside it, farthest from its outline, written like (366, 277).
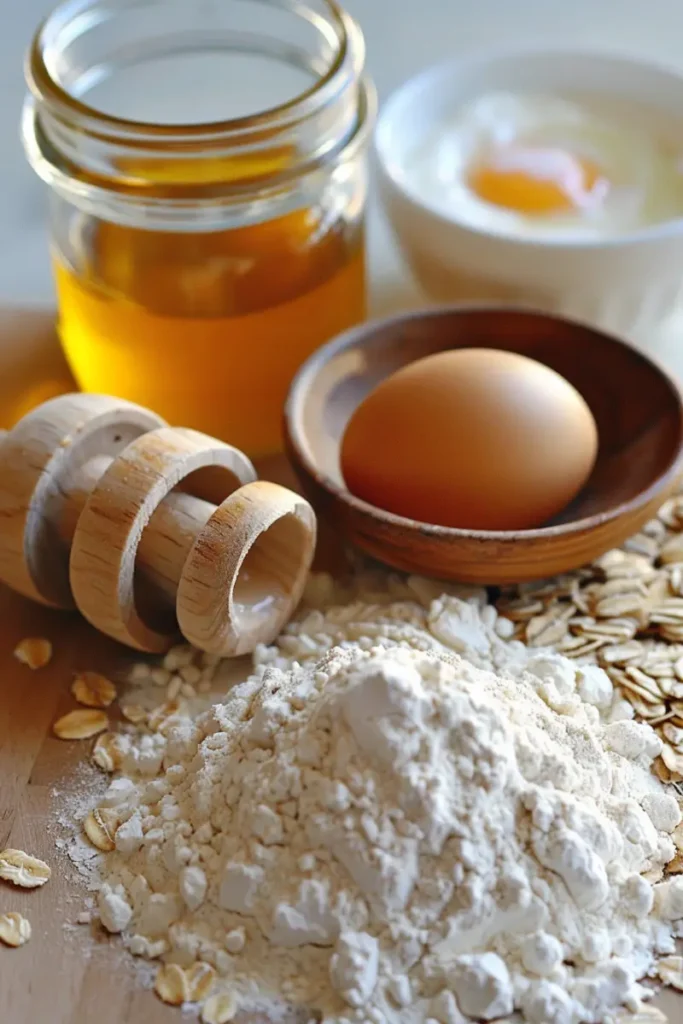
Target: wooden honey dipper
(148, 528)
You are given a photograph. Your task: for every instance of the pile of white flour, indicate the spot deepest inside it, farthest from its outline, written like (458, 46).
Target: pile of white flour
(378, 829)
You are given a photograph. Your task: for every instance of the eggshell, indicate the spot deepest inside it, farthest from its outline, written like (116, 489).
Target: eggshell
(472, 438)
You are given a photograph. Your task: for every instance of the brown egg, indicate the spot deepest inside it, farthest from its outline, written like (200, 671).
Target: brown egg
(473, 438)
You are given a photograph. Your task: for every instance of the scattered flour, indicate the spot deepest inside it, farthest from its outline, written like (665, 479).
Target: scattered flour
(384, 831)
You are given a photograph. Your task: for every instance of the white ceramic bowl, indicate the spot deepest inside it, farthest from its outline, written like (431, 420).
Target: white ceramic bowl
(629, 284)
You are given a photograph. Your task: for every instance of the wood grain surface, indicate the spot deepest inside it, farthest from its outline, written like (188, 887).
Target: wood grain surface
(68, 975)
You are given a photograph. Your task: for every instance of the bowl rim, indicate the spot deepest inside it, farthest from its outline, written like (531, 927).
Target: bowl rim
(481, 58)
(366, 331)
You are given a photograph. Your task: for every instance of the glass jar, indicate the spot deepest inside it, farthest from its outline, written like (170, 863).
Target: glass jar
(207, 173)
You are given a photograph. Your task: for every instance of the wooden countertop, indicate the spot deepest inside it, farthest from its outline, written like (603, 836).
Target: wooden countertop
(62, 976)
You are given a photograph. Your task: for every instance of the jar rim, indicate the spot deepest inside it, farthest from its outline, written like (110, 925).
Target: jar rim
(45, 89)
(110, 166)
(95, 199)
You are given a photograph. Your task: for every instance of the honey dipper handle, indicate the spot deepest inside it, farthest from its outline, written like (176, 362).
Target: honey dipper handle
(164, 544)
(247, 570)
(119, 513)
(38, 459)
(145, 526)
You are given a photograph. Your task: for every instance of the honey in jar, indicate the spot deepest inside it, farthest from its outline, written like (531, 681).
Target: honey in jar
(198, 264)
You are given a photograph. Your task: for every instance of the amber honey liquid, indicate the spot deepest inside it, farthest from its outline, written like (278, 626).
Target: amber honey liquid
(209, 329)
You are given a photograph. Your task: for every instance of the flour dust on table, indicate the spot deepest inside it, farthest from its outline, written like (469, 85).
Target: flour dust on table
(401, 816)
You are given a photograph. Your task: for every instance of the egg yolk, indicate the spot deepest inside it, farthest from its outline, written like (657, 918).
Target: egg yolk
(538, 181)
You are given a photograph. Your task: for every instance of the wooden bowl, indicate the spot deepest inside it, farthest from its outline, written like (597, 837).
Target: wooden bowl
(637, 407)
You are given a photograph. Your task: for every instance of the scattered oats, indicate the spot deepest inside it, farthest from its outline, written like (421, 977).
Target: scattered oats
(107, 753)
(160, 676)
(134, 713)
(660, 719)
(620, 586)
(645, 1014)
(631, 686)
(85, 917)
(644, 682)
(140, 946)
(625, 613)
(173, 688)
(80, 725)
(235, 940)
(641, 544)
(670, 611)
(658, 591)
(171, 985)
(668, 513)
(673, 761)
(23, 870)
(611, 562)
(140, 672)
(677, 836)
(220, 1009)
(620, 629)
(676, 578)
(673, 733)
(672, 632)
(569, 645)
(178, 657)
(644, 707)
(668, 686)
(521, 610)
(661, 671)
(655, 528)
(171, 662)
(620, 604)
(158, 718)
(670, 970)
(672, 550)
(15, 930)
(191, 674)
(548, 629)
(100, 827)
(621, 654)
(93, 690)
(675, 866)
(34, 651)
(583, 624)
(583, 649)
(200, 978)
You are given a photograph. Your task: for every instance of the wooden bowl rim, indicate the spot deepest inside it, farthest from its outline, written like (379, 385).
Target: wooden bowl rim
(366, 331)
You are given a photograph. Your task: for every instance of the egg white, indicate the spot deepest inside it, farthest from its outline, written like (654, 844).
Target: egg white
(645, 183)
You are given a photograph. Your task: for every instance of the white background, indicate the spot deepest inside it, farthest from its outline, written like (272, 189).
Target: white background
(403, 36)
